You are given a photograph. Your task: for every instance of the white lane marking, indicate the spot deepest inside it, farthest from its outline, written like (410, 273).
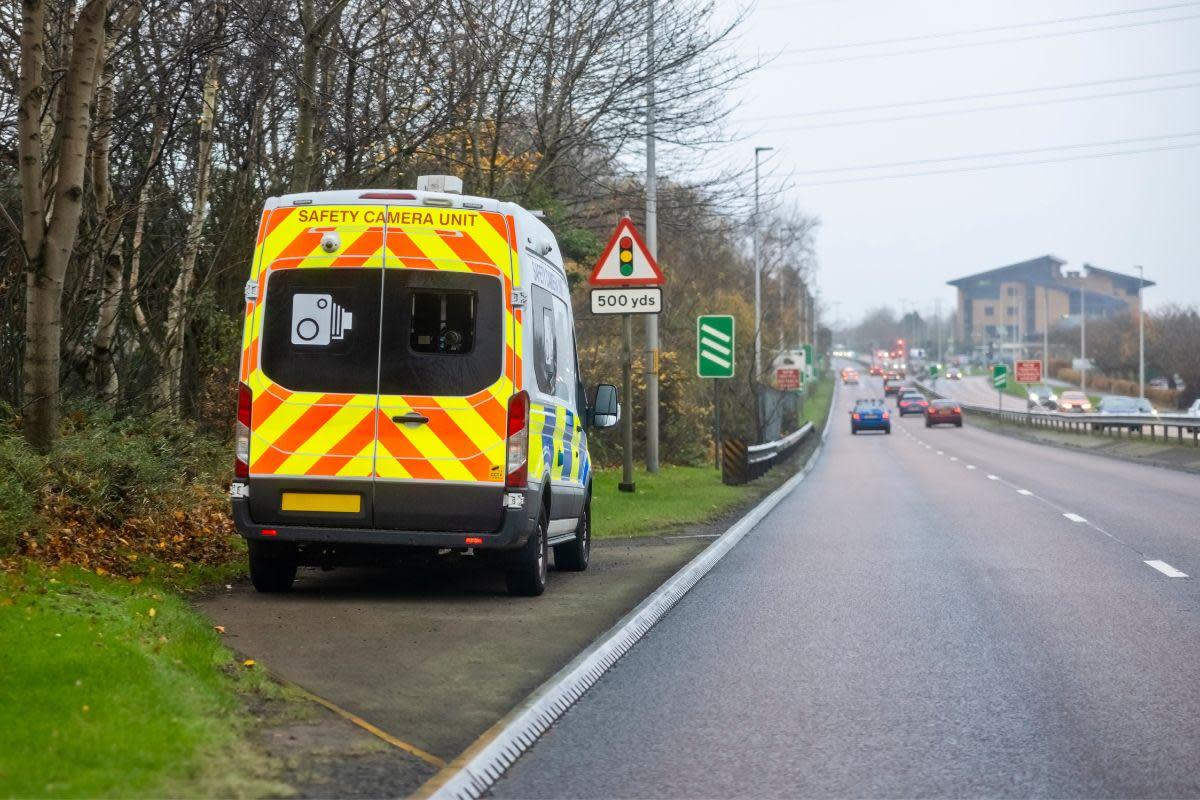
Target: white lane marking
(993, 477)
(1166, 569)
(940, 453)
(1074, 517)
(970, 466)
(1025, 492)
(954, 458)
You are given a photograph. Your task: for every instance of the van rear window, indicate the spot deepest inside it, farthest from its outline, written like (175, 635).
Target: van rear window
(442, 332)
(321, 329)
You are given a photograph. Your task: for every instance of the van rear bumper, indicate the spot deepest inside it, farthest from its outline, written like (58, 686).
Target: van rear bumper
(515, 527)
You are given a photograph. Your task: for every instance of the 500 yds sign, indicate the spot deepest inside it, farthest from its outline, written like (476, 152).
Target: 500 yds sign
(641, 300)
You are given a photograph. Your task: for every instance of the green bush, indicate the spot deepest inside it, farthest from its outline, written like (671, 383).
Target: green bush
(118, 468)
(112, 469)
(21, 474)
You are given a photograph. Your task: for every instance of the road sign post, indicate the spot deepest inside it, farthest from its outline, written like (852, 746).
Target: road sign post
(1000, 381)
(626, 280)
(716, 338)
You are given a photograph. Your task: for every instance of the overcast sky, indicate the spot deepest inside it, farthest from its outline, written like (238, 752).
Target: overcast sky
(886, 240)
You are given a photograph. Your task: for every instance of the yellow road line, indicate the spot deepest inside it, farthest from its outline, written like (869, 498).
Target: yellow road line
(411, 749)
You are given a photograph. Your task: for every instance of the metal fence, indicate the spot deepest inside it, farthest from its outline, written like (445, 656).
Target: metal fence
(1152, 427)
(742, 463)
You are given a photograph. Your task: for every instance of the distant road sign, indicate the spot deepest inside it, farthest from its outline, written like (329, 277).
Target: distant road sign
(626, 261)
(787, 378)
(715, 346)
(1029, 371)
(1000, 376)
(627, 300)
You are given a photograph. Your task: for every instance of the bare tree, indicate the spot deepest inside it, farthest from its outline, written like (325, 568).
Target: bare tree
(48, 235)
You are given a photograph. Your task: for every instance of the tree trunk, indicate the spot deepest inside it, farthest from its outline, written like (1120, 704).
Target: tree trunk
(48, 247)
(302, 166)
(104, 375)
(171, 368)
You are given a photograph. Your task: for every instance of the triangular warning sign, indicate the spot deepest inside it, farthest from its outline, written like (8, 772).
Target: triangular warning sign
(626, 261)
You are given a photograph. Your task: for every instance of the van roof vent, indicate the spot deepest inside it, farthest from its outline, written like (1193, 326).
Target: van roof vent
(448, 184)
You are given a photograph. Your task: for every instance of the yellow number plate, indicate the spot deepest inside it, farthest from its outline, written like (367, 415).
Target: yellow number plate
(337, 503)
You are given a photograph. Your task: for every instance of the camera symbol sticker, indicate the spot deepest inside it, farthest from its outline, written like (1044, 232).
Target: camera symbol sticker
(317, 320)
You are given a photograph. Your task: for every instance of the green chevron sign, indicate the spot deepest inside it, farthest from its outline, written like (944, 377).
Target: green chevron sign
(715, 346)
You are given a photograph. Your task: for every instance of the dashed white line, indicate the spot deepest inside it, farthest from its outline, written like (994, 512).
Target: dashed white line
(1025, 492)
(970, 466)
(1074, 517)
(993, 477)
(1166, 569)
(940, 453)
(954, 458)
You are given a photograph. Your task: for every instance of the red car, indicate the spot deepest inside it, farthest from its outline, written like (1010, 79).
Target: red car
(876, 370)
(943, 412)
(911, 403)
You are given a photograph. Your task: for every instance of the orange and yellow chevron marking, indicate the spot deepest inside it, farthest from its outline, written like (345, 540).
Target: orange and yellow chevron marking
(342, 435)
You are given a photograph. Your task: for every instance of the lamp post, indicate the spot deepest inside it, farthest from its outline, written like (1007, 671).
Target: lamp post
(1141, 337)
(1082, 334)
(1045, 331)
(758, 151)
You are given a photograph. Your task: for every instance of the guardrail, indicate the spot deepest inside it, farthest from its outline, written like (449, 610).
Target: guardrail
(1182, 425)
(742, 463)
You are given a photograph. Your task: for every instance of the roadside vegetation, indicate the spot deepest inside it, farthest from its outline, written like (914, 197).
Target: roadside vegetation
(679, 496)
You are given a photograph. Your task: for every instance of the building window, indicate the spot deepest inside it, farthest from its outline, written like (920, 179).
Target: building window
(989, 311)
(1012, 291)
(1011, 311)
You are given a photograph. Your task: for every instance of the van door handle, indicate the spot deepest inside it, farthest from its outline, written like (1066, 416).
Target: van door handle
(411, 417)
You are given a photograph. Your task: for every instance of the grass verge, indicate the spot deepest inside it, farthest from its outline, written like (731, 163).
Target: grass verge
(112, 688)
(676, 497)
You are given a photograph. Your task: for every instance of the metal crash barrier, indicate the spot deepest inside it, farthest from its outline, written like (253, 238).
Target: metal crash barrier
(1153, 427)
(742, 463)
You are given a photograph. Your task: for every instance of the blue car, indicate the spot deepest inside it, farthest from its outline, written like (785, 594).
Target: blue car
(870, 415)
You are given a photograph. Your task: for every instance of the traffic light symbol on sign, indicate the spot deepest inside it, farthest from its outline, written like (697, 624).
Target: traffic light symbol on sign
(626, 255)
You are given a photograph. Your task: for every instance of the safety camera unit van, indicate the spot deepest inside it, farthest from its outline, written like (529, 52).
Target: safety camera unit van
(409, 386)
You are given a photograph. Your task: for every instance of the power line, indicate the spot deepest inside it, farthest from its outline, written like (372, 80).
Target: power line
(1002, 107)
(980, 96)
(990, 29)
(999, 154)
(999, 166)
(961, 45)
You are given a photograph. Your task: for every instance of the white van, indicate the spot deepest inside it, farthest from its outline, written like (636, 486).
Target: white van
(409, 385)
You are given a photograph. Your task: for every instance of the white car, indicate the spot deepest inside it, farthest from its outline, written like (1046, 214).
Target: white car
(1194, 409)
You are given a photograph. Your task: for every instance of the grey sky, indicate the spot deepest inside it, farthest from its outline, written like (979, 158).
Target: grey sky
(883, 240)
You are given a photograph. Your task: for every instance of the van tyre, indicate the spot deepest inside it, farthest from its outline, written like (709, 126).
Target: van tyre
(526, 573)
(573, 556)
(270, 571)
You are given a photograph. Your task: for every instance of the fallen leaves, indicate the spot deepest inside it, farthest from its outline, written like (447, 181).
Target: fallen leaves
(201, 535)
(219, 628)
(249, 662)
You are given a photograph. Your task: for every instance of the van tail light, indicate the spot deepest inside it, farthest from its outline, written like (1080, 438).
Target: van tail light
(517, 468)
(241, 434)
(857, 415)
(885, 415)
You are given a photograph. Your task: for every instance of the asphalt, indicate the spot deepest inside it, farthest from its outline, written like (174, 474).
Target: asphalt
(433, 656)
(909, 623)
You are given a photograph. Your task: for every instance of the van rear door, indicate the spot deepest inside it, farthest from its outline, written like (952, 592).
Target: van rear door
(448, 364)
(312, 365)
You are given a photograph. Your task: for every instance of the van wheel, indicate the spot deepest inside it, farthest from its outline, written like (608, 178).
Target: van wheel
(269, 572)
(526, 574)
(573, 556)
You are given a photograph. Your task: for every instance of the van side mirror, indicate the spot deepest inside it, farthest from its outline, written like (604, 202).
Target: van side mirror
(606, 409)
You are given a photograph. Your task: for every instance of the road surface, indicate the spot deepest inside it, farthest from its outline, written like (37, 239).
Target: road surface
(977, 389)
(942, 612)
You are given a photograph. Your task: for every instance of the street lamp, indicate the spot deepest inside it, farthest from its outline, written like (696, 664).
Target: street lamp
(1141, 337)
(757, 274)
(1082, 332)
